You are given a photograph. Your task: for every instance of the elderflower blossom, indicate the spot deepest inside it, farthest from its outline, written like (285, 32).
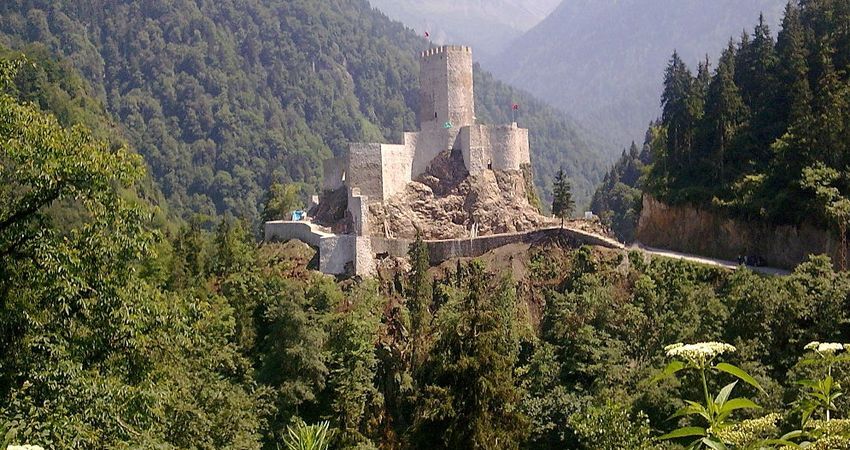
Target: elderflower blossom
(748, 431)
(24, 447)
(826, 348)
(700, 353)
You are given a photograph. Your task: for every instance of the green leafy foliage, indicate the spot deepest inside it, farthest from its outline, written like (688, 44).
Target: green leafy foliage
(308, 437)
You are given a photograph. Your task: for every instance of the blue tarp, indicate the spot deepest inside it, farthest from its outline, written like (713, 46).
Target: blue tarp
(298, 215)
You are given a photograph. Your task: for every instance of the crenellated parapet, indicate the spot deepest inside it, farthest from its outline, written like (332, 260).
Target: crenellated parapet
(443, 49)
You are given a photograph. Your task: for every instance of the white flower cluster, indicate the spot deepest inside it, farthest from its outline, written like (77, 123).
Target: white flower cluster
(24, 447)
(826, 348)
(700, 353)
(747, 432)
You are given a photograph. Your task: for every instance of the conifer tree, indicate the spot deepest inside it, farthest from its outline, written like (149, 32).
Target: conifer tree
(796, 95)
(756, 79)
(725, 112)
(471, 395)
(419, 299)
(562, 200)
(677, 114)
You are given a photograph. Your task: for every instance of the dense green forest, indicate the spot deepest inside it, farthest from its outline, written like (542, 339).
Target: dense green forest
(121, 330)
(116, 334)
(225, 98)
(617, 199)
(761, 136)
(766, 132)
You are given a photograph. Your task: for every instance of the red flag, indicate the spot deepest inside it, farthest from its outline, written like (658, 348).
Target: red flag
(515, 107)
(427, 34)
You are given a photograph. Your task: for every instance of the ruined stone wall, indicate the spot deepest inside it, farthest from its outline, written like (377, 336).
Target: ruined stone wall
(396, 172)
(497, 147)
(333, 173)
(285, 230)
(692, 230)
(365, 170)
(358, 211)
(338, 254)
(446, 87)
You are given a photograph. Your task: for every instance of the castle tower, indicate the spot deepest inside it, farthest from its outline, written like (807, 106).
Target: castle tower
(445, 80)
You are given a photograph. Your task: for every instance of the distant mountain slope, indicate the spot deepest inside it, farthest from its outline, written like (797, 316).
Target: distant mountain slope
(224, 97)
(488, 25)
(602, 60)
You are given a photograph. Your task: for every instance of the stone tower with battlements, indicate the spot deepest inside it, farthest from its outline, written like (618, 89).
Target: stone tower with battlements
(446, 92)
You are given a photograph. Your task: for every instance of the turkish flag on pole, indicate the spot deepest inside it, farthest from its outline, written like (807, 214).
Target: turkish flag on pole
(427, 34)
(515, 107)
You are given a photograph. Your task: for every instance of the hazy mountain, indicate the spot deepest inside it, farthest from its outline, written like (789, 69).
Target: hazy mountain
(487, 25)
(603, 60)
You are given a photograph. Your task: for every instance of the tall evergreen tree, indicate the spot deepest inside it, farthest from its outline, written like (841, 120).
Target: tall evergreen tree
(677, 114)
(755, 76)
(562, 200)
(725, 113)
(471, 396)
(796, 96)
(419, 299)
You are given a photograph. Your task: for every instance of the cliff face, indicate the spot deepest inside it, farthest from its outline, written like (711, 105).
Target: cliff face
(691, 230)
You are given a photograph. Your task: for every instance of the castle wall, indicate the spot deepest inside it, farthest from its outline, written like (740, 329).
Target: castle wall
(509, 147)
(333, 173)
(397, 161)
(495, 147)
(365, 170)
(359, 212)
(444, 250)
(430, 142)
(337, 253)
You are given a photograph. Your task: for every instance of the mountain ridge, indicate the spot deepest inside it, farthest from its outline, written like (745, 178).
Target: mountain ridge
(601, 61)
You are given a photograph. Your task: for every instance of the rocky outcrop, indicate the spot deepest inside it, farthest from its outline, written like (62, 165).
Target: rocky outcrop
(446, 202)
(692, 230)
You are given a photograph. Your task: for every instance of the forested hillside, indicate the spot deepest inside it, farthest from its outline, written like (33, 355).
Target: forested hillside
(765, 134)
(762, 133)
(223, 99)
(601, 60)
(115, 335)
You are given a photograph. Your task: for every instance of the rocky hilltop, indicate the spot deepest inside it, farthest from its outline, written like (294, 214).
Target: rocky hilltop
(446, 203)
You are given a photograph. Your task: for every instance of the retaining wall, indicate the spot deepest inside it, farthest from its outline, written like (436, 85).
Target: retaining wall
(335, 251)
(698, 231)
(444, 250)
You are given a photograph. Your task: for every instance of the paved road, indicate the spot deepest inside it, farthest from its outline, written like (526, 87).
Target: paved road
(705, 260)
(733, 265)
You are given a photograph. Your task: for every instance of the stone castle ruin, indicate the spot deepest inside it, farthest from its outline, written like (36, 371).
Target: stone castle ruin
(447, 118)
(453, 181)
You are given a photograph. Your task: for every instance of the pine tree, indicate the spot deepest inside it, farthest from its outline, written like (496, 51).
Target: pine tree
(419, 299)
(471, 395)
(677, 114)
(759, 88)
(562, 199)
(796, 94)
(725, 113)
